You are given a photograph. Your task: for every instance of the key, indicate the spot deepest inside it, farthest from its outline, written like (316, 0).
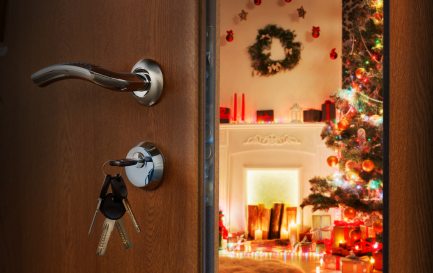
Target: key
(107, 229)
(119, 188)
(123, 234)
(112, 208)
(102, 194)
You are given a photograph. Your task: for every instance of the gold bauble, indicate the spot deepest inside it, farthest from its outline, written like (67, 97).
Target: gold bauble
(367, 165)
(332, 161)
(349, 213)
(343, 124)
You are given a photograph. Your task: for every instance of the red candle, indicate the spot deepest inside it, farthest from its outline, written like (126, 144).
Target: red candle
(235, 107)
(243, 107)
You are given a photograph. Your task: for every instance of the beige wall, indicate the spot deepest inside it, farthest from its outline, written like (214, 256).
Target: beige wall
(309, 83)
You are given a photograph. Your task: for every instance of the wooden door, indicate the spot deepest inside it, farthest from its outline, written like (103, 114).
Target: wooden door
(54, 140)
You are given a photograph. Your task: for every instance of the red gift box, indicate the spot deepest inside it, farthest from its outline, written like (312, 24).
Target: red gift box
(341, 232)
(224, 115)
(328, 111)
(312, 115)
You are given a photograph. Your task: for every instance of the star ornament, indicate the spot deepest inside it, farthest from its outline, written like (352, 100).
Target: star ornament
(243, 15)
(301, 12)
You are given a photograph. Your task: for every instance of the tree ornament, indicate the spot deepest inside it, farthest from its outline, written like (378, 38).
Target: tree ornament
(332, 161)
(367, 165)
(361, 136)
(302, 12)
(343, 124)
(257, 2)
(261, 60)
(243, 15)
(378, 227)
(229, 36)
(359, 73)
(374, 184)
(333, 55)
(349, 213)
(350, 165)
(316, 32)
(355, 235)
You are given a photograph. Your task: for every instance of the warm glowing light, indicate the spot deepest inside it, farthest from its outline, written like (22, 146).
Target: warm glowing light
(321, 262)
(356, 247)
(284, 234)
(317, 269)
(376, 245)
(372, 260)
(258, 234)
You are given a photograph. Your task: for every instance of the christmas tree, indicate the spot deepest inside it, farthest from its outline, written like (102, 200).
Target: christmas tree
(357, 137)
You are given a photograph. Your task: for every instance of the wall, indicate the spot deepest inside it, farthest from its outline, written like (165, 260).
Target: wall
(309, 83)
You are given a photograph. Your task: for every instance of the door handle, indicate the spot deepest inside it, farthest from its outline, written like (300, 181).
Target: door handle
(145, 81)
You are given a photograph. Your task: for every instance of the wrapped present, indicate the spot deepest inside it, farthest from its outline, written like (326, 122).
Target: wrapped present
(224, 115)
(378, 260)
(312, 115)
(265, 115)
(307, 247)
(367, 232)
(331, 262)
(354, 264)
(328, 111)
(341, 232)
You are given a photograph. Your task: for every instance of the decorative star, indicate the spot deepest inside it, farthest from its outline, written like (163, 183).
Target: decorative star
(301, 12)
(288, 51)
(243, 15)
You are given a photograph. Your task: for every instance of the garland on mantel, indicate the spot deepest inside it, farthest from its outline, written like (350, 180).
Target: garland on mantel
(261, 61)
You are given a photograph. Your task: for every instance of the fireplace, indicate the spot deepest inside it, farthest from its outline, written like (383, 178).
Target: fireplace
(267, 164)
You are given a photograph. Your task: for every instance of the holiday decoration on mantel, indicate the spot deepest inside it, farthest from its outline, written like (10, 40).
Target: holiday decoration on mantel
(356, 187)
(243, 15)
(261, 61)
(229, 36)
(265, 116)
(333, 55)
(224, 115)
(312, 115)
(315, 32)
(302, 12)
(295, 114)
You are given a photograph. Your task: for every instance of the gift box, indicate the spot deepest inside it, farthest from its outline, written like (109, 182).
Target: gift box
(328, 111)
(307, 247)
(378, 261)
(312, 115)
(341, 232)
(224, 115)
(331, 262)
(367, 232)
(353, 264)
(265, 115)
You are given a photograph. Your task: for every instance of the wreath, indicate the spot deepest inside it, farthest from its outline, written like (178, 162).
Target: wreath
(261, 61)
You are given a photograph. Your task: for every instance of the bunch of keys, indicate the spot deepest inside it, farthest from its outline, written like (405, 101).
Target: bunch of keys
(113, 206)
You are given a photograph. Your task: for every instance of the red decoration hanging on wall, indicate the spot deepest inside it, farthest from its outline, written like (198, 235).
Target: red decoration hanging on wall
(316, 32)
(257, 2)
(288, 1)
(229, 36)
(333, 55)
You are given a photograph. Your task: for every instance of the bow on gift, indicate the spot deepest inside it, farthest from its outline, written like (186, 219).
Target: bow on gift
(274, 67)
(352, 256)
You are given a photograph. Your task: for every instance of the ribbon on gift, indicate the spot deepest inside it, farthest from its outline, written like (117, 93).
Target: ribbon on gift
(347, 224)
(328, 109)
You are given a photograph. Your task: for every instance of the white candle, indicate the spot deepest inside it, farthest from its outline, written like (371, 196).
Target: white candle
(317, 269)
(258, 234)
(284, 234)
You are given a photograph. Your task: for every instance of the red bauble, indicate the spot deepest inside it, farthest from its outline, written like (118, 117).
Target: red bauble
(316, 32)
(350, 165)
(355, 235)
(229, 36)
(288, 1)
(378, 227)
(257, 2)
(349, 213)
(367, 165)
(333, 55)
(332, 161)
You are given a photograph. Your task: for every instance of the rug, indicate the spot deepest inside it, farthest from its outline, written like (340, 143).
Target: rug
(233, 265)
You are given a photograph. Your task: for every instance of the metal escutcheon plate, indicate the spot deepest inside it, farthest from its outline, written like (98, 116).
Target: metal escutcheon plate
(147, 175)
(152, 71)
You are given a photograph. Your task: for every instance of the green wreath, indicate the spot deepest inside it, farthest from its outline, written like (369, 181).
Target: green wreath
(262, 63)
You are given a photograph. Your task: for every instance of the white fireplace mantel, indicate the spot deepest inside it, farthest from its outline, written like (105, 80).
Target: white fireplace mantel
(273, 145)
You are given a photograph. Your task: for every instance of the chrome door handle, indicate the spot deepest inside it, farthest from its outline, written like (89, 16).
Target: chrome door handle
(145, 81)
